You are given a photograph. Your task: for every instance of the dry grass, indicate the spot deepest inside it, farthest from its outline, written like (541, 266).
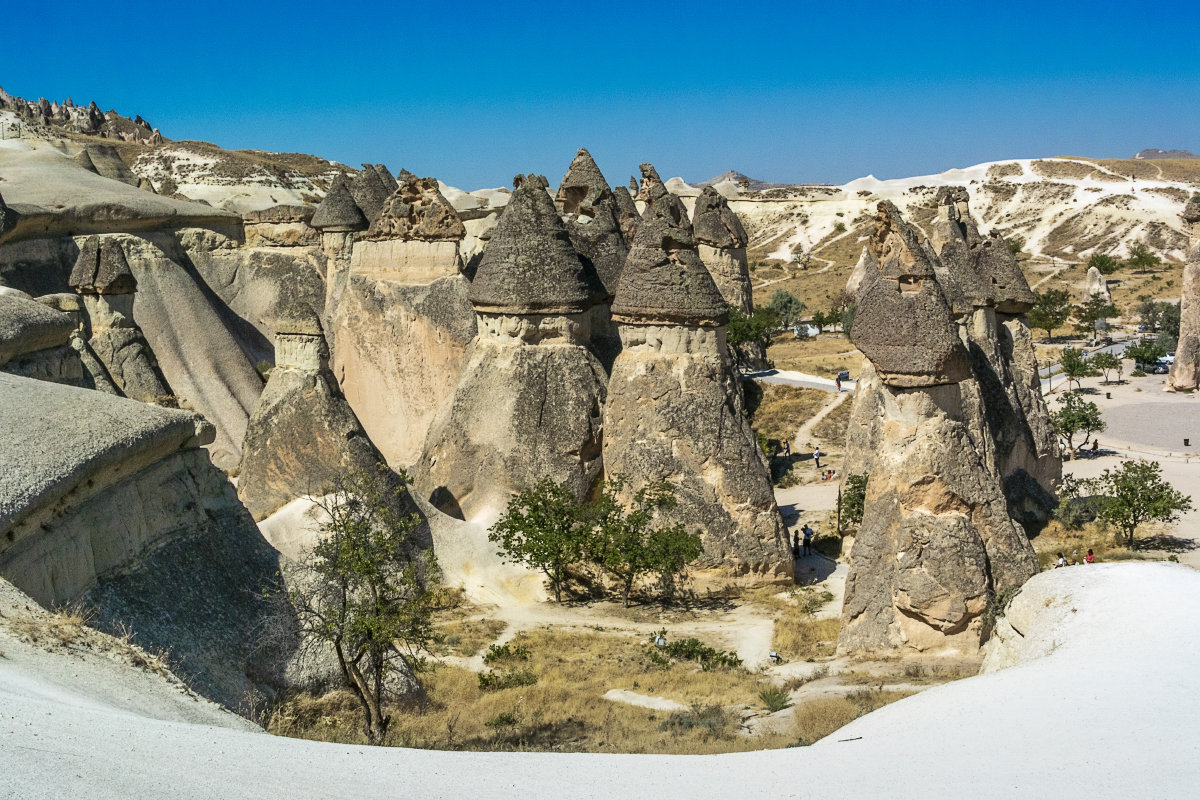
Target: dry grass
(465, 637)
(818, 718)
(798, 636)
(833, 427)
(783, 409)
(563, 711)
(825, 356)
(817, 288)
(68, 629)
(1103, 540)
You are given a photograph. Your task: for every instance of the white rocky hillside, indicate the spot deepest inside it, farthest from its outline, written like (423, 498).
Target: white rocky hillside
(1064, 208)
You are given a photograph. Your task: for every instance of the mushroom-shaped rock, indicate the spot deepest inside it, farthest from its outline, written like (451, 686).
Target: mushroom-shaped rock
(999, 270)
(530, 265)
(338, 211)
(721, 241)
(664, 280)
(102, 268)
(417, 211)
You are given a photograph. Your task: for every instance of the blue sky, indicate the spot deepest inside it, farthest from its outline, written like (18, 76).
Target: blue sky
(476, 92)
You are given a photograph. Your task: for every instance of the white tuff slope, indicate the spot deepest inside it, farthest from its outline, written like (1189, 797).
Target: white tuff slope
(1101, 702)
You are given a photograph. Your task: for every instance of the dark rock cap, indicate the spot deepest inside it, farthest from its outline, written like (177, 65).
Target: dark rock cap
(714, 222)
(583, 187)
(102, 268)
(999, 269)
(297, 319)
(903, 323)
(8, 218)
(338, 210)
(418, 211)
(664, 280)
(593, 220)
(386, 178)
(627, 212)
(530, 266)
(369, 192)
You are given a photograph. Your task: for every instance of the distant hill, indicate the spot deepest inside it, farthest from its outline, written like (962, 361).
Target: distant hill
(737, 177)
(1156, 153)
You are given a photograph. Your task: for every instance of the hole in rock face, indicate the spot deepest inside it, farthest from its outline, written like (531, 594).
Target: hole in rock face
(910, 284)
(574, 196)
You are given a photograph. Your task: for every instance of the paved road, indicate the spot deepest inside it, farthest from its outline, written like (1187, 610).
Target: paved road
(1115, 347)
(789, 378)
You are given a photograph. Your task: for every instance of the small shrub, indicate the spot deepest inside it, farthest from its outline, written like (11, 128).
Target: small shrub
(505, 719)
(495, 681)
(661, 652)
(264, 367)
(774, 699)
(1137, 373)
(505, 652)
(711, 722)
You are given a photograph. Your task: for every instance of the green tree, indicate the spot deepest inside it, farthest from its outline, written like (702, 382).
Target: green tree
(1050, 311)
(1106, 362)
(1142, 257)
(1170, 319)
(818, 320)
(1092, 312)
(1075, 416)
(543, 528)
(787, 307)
(367, 590)
(1146, 351)
(756, 328)
(1016, 243)
(852, 502)
(1105, 263)
(1076, 367)
(1134, 493)
(628, 544)
(1150, 314)
(847, 318)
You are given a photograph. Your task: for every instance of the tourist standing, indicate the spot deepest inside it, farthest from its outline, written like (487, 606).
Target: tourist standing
(808, 537)
(817, 456)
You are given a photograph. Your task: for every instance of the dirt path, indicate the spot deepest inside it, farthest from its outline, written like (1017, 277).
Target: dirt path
(801, 438)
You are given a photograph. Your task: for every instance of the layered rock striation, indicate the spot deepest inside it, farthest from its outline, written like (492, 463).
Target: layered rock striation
(674, 412)
(527, 405)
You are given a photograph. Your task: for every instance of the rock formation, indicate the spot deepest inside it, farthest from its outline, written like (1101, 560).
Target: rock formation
(721, 241)
(400, 318)
(338, 217)
(674, 412)
(303, 435)
(528, 404)
(936, 542)
(1096, 285)
(627, 213)
(652, 186)
(369, 191)
(1185, 372)
(102, 276)
(590, 213)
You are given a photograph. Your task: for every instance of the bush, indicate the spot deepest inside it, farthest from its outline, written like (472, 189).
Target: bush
(713, 722)
(495, 681)
(1137, 373)
(774, 699)
(505, 652)
(505, 719)
(661, 652)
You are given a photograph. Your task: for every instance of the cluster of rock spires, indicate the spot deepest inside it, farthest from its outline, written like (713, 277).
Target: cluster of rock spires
(87, 119)
(949, 423)
(1185, 372)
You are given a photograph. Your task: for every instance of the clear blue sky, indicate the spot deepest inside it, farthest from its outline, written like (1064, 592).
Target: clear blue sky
(475, 92)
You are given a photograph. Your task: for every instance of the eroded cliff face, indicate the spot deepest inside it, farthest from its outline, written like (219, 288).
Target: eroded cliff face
(1185, 372)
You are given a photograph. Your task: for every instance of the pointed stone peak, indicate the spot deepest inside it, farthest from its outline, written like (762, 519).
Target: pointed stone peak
(385, 177)
(102, 268)
(664, 281)
(863, 275)
(417, 211)
(583, 188)
(634, 191)
(998, 268)
(627, 213)
(530, 266)
(338, 211)
(652, 185)
(714, 222)
(369, 192)
(896, 246)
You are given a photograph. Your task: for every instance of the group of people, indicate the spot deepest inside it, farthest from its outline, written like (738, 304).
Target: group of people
(798, 549)
(829, 475)
(1061, 561)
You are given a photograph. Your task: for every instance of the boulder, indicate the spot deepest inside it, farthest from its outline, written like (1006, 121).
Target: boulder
(1096, 285)
(27, 326)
